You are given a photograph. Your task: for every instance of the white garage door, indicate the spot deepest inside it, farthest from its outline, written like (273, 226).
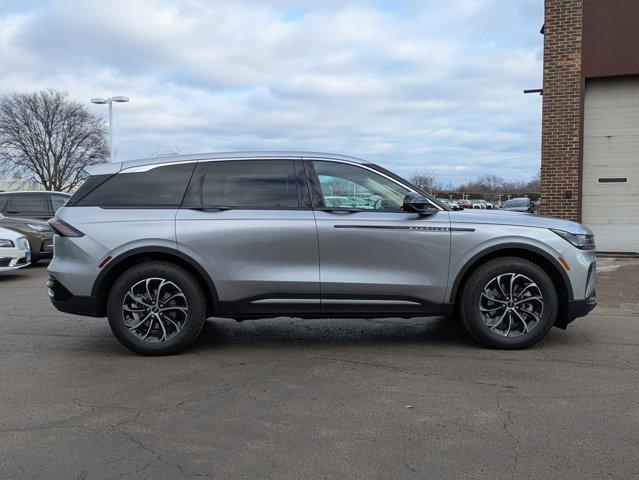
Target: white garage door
(611, 163)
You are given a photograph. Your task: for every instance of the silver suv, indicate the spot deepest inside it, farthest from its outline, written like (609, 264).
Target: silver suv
(159, 245)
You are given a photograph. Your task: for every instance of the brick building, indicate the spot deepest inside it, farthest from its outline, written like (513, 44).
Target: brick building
(590, 126)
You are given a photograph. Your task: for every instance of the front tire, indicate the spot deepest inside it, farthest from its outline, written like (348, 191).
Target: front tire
(509, 303)
(156, 308)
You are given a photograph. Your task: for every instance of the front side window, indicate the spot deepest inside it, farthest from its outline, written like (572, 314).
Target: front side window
(58, 201)
(29, 203)
(349, 186)
(158, 187)
(250, 184)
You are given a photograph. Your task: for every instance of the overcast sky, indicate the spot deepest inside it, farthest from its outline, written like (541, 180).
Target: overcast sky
(432, 85)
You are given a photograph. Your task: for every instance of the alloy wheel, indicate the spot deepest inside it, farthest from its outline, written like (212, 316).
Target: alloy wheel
(511, 305)
(155, 309)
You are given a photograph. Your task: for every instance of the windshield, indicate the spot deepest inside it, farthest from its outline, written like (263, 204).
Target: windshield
(516, 203)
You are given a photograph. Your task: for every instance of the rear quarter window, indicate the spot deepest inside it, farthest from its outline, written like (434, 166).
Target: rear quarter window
(159, 187)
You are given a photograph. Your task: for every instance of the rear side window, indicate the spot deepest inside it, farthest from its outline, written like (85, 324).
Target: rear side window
(250, 184)
(29, 203)
(3, 201)
(159, 187)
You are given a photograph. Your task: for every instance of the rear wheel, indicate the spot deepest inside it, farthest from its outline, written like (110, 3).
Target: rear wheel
(156, 308)
(509, 303)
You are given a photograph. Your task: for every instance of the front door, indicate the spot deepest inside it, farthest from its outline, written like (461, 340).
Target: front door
(374, 257)
(250, 224)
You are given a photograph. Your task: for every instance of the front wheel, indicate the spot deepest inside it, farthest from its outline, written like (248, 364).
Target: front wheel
(509, 303)
(156, 308)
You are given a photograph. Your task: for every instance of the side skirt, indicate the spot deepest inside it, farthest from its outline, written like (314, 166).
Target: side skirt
(335, 306)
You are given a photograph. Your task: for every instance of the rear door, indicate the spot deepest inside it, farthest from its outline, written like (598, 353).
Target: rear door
(374, 257)
(29, 205)
(251, 226)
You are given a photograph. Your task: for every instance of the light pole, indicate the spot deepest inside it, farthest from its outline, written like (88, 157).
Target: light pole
(109, 101)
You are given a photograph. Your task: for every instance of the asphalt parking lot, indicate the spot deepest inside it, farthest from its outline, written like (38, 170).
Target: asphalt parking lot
(288, 398)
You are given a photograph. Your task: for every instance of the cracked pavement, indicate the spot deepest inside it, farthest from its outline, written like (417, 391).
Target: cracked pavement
(290, 398)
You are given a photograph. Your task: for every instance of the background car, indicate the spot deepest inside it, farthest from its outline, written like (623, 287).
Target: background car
(341, 202)
(41, 205)
(14, 250)
(519, 205)
(38, 233)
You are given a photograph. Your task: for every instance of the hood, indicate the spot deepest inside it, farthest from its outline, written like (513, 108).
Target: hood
(507, 217)
(4, 221)
(9, 234)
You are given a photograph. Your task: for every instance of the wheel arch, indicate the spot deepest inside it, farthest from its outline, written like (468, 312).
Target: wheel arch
(543, 259)
(118, 265)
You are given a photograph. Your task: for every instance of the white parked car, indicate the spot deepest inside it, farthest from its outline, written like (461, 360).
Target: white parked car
(14, 250)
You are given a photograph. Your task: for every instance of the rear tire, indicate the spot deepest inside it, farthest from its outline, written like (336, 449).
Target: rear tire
(498, 318)
(156, 308)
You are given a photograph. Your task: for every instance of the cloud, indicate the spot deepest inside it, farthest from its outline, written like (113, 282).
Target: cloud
(411, 85)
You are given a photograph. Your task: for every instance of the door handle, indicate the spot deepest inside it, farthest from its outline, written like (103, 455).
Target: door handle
(341, 210)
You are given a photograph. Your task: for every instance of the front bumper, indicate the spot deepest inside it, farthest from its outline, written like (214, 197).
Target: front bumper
(14, 258)
(576, 309)
(63, 300)
(42, 248)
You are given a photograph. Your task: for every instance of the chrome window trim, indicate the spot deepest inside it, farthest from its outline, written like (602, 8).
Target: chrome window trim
(152, 166)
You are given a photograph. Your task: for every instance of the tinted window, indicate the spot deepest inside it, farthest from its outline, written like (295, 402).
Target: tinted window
(58, 201)
(29, 203)
(3, 201)
(349, 186)
(159, 187)
(250, 183)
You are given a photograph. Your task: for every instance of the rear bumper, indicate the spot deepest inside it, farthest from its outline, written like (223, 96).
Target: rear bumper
(63, 300)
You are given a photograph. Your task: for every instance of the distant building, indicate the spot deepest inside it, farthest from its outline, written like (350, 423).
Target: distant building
(590, 138)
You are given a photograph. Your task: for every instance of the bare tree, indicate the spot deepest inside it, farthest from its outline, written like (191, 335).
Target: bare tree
(50, 139)
(489, 183)
(425, 180)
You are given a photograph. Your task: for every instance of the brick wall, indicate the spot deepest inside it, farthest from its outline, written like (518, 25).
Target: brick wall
(562, 108)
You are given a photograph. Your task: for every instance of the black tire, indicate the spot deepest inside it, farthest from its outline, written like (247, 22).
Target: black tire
(192, 324)
(472, 294)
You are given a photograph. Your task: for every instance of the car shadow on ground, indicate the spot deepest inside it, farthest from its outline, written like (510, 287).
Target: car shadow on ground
(8, 276)
(297, 332)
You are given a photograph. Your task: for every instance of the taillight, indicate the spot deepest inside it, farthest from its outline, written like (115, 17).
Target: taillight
(64, 229)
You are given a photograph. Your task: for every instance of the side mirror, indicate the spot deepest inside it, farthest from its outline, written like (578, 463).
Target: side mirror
(415, 203)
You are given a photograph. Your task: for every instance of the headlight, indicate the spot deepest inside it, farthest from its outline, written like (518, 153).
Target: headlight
(6, 243)
(38, 228)
(581, 241)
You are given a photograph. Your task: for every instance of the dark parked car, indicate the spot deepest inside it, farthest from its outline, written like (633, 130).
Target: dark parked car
(41, 205)
(38, 233)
